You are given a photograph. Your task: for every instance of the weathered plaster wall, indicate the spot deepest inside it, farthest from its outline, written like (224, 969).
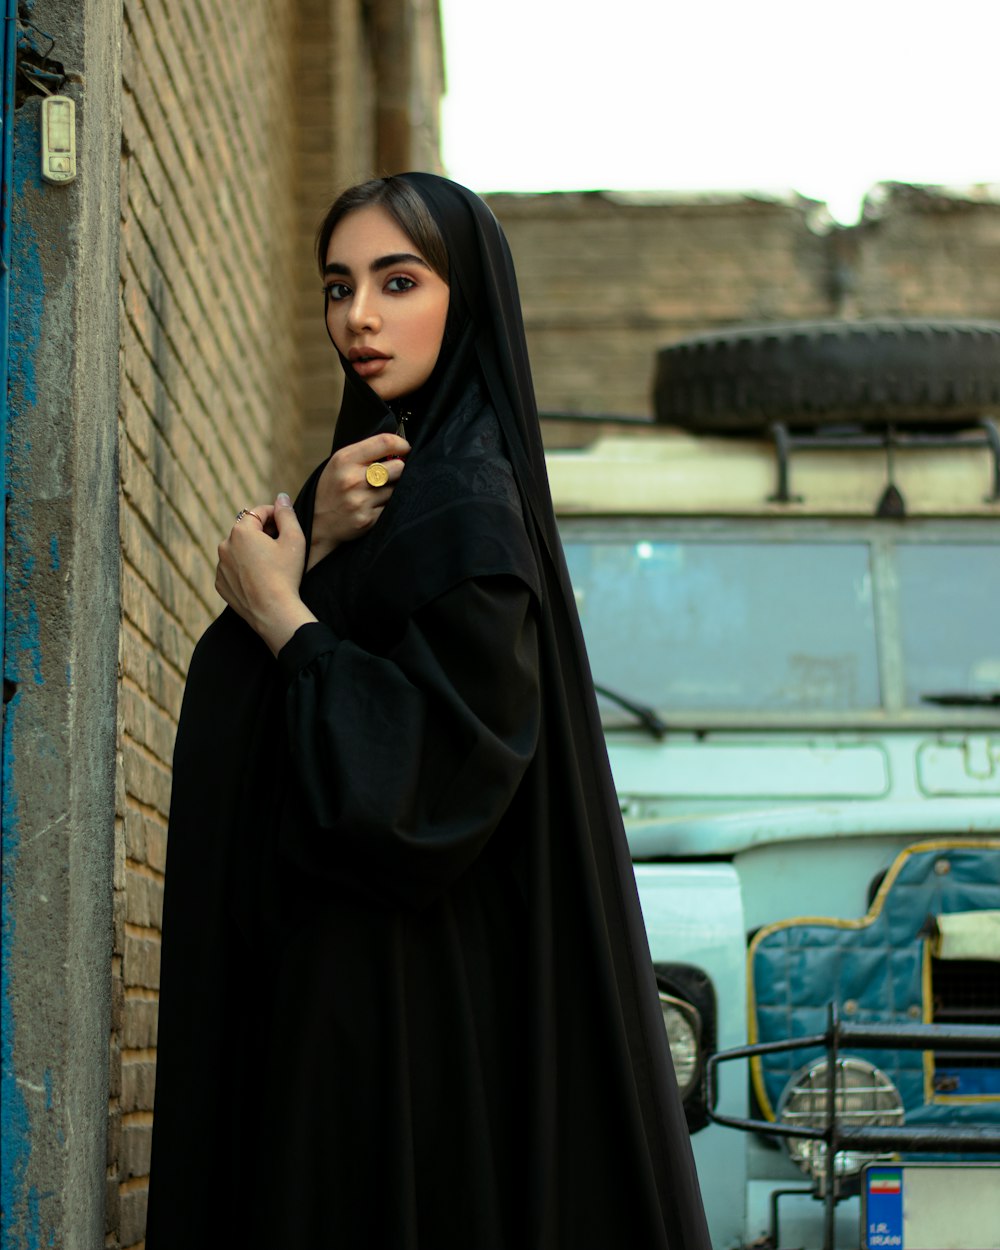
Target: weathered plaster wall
(208, 410)
(61, 650)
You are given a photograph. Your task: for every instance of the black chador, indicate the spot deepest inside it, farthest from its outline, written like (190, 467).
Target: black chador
(407, 999)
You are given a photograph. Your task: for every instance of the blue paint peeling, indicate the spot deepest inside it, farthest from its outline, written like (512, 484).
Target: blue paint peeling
(34, 1218)
(54, 560)
(22, 627)
(22, 1227)
(31, 649)
(15, 1122)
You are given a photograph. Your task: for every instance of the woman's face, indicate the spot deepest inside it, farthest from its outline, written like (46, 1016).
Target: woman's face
(385, 306)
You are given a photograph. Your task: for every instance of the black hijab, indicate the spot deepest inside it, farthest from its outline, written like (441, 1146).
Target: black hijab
(483, 364)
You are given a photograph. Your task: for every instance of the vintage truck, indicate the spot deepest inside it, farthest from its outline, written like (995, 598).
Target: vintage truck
(789, 583)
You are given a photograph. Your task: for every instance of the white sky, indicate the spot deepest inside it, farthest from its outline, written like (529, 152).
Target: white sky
(823, 98)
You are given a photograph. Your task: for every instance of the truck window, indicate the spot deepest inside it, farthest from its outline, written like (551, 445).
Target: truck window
(949, 610)
(741, 626)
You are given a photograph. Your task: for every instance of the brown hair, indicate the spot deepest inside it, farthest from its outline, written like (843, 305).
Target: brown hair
(403, 204)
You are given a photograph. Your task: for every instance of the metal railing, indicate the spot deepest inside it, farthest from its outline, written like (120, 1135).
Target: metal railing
(967, 1138)
(978, 433)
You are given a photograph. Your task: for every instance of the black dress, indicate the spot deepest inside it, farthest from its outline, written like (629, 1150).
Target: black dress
(407, 999)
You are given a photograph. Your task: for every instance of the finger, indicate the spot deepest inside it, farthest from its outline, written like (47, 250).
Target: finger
(379, 447)
(266, 513)
(395, 470)
(254, 518)
(389, 472)
(221, 583)
(285, 519)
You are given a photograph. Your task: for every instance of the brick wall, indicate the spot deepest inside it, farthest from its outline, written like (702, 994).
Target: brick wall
(207, 360)
(927, 253)
(606, 279)
(241, 120)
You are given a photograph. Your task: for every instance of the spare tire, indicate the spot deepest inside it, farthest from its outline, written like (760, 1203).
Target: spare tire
(811, 373)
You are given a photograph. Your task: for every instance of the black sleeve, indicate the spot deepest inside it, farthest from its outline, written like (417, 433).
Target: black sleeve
(405, 763)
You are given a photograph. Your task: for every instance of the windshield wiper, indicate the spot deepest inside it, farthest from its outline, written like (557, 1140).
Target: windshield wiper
(644, 715)
(964, 698)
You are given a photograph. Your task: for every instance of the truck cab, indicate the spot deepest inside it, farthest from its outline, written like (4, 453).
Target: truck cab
(795, 637)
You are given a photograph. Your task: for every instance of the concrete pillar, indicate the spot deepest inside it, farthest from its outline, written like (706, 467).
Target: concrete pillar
(62, 615)
(395, 54)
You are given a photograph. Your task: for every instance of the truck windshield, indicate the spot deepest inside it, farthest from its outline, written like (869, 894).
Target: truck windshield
(728, 625)
(706, 623)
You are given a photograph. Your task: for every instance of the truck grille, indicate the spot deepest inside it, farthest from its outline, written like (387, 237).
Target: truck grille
(965, 991)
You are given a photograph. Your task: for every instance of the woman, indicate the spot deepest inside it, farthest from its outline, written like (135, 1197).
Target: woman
(407, 999)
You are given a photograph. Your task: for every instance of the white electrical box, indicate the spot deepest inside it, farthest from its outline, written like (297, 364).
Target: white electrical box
(58, 139)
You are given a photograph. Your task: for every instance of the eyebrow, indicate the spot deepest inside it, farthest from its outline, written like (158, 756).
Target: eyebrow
(382, 262)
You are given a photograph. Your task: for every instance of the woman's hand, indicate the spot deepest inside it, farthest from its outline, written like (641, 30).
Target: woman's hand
(259, 574)
(346, 505)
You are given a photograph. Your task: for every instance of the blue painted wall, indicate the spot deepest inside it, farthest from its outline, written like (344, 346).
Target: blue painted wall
(22, 1201)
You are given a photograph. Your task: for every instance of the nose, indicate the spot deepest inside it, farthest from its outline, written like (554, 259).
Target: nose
(363, 316)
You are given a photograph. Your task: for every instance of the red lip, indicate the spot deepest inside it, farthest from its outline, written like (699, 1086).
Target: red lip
(365, 353)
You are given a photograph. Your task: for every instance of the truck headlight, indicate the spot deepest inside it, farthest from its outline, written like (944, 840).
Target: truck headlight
(683, 1025)
(864, 1097)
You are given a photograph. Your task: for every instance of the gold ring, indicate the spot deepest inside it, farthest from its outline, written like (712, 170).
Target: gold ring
(376, 474)
(247, 512)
